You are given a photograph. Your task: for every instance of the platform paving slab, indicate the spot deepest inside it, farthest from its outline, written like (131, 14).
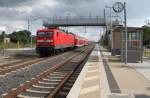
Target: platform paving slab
(91, 83)
(130, 81)
(114, 95)
(87, 84)
(142, 68)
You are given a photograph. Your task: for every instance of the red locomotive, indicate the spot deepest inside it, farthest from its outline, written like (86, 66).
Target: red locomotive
(49, 41)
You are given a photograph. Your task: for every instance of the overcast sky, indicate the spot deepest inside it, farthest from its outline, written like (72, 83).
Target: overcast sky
(14, 13)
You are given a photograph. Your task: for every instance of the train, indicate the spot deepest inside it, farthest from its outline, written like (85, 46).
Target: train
(51, 40)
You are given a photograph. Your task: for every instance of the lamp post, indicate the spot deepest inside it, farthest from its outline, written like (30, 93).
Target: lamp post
(30, 28)
(118, 7)
(126, 34)
(29, 24)
(3, 33)
(110, 8)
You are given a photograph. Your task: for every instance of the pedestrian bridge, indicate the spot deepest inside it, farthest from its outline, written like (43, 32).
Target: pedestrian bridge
(75, 21)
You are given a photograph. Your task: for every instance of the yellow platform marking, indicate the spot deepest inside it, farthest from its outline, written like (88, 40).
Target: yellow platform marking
(91, 78)
(89, 89)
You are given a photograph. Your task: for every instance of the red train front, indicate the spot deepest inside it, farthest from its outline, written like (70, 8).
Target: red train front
(51, 40)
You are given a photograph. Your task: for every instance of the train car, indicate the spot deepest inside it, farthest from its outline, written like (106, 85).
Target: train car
(80, 41)
(51, 40)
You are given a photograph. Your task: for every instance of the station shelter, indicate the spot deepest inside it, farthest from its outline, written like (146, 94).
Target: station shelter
(134, 42)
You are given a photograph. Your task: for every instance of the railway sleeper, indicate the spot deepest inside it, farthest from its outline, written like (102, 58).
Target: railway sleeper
(33, 90)
(51, 80)
(47, 83)
(36, 92)
(43, 87)
(56, 77)
(31, 95)
(44, 90)
(54, 74)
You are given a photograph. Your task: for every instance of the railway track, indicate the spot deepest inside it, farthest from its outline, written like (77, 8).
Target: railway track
(15, 62)
(13, 67)
(49, 83)
(8, 68)
(63, 92)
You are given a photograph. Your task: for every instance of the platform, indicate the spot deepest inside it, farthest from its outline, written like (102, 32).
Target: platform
(14, 51)
(142, 68)
(132, 79)
(105, 76)
(88, 82)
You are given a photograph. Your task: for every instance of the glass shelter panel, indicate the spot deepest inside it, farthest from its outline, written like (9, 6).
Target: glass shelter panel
(134, 42)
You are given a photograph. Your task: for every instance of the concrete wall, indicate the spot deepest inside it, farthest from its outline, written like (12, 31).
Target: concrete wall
(117, 43)
(117, 39)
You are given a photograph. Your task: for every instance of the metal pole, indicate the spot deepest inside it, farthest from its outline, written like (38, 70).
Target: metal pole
(111, 31)
(3, 43)
(141, 38)
(105, 17)
(31, 33)
(28, 25)
(126, 34)
(31, 40)
(122, 47)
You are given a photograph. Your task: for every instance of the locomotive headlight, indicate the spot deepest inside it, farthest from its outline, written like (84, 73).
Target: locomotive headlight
(40, 41)
(45, 41)
(49, 40)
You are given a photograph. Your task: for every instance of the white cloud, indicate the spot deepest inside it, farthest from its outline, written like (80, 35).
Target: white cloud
(49, 3)
(2, 28)
(24, 9)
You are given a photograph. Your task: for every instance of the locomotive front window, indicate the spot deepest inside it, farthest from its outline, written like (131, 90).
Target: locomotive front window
(44, 34)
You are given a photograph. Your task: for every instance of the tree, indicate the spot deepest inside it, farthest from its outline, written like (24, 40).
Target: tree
(2, 36)
(146, 35)
(20, 36)
(105, 39)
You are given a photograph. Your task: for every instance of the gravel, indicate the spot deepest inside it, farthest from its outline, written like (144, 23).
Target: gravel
(22, 75)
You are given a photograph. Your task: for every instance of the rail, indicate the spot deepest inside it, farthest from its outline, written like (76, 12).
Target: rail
(51, 72)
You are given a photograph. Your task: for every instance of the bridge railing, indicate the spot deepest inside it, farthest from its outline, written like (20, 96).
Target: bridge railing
(75, 21)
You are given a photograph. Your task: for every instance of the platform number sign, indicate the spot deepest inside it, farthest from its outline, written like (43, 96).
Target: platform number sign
(118, 7)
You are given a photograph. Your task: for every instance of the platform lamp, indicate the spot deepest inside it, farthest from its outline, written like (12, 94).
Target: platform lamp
(29, 28)
(3, 33)
(110, 8)
(29, 24)
(118, 7)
